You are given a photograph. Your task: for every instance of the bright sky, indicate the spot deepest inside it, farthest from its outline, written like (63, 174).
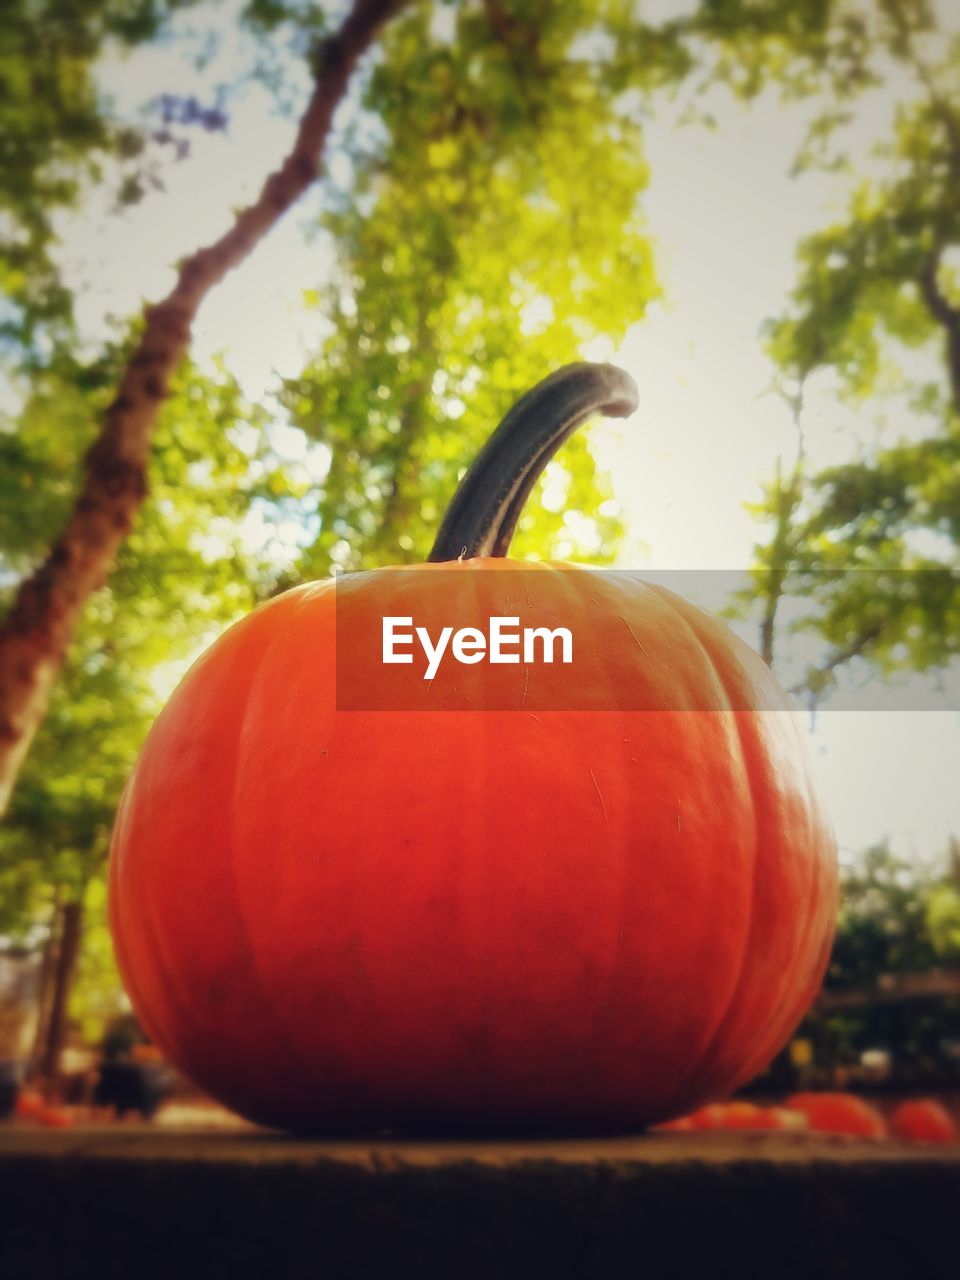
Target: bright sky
(725, 217)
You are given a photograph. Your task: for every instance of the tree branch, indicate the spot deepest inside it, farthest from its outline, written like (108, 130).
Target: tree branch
(36, 634)
(788, 498)
(521, 44)
(941, 309)
(947, 316)
(942, 108)
(813, 682)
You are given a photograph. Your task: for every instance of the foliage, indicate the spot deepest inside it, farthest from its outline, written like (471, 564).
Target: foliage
(872, 543)
(57, 137)
(896, 919)
(883, 927)
(493, 233)
(182, 574)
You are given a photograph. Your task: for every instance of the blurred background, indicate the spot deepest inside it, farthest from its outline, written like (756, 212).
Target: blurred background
(752, 205)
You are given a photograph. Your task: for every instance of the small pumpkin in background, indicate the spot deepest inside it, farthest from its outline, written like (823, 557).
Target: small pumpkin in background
(923, 1120)
(480, 918)
(56, 1118)
(842, 1113)
(736, 1115)
(682, 1124)
(30, 1104)
(746, 1115)
(708, 1117)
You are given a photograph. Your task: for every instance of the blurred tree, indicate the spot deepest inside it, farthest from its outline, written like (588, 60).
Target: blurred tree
(883, 926)
(872, 543)
(486, 127)
(943, 910)
(57, 136)
(185, 571)
(48, 605)
(891, 936)
(890, 984)
(496, 161)
(494, 233)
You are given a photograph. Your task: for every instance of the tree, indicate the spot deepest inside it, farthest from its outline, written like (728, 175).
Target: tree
(890, 936)
(183, 572)
(57, 137)
(48, 605)
(495, 232)
(526, 76)
(872, 543)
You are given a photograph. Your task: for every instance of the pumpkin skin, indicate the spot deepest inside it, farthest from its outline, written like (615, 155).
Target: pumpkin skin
(839, 1113)
(734, 1115)
(745, 1115)
(923, 1120)
(474, 919)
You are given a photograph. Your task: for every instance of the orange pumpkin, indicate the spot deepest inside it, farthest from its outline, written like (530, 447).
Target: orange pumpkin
(923, 1120)
(736, 1115)
(56, 1118)
(30, 1104)
(683, 1124)
(708, 1117)
(592, 917)
(839, 1113)
(745, 1115)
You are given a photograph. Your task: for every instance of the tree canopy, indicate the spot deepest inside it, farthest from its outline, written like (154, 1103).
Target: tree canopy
(874, 320)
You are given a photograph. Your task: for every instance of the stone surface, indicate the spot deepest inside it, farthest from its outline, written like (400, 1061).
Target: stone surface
(143, 1202)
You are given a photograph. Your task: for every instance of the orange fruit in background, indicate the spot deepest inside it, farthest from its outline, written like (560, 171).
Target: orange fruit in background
(709, 1117)
(737, 1115)
(57, 1118)
(682, 1124)
(789, 1120)
(839, 1113)
(30, 1104)
(744, 1115)
(923, 1120)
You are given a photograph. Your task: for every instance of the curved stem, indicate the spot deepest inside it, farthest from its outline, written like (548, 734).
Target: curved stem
(482, 517)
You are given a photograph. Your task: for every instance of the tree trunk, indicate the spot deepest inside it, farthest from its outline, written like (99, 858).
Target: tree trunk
(947, 315)
(71, 919)
(36, 634)
(45, 986)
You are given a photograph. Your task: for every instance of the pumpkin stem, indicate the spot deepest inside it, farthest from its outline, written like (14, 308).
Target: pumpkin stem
(482, 517)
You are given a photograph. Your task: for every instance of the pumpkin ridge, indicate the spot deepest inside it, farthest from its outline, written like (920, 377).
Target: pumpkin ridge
(116, 919)
(226, 887)
(823, 892)
(730, 1003)
(162, 973)
(781, 1014)
(304, 599)
(301, 601)
(573, 585)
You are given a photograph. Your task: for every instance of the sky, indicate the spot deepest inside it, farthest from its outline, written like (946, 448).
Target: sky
(724, 216)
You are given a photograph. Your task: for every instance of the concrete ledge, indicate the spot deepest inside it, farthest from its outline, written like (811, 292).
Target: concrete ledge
(141, 1202)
